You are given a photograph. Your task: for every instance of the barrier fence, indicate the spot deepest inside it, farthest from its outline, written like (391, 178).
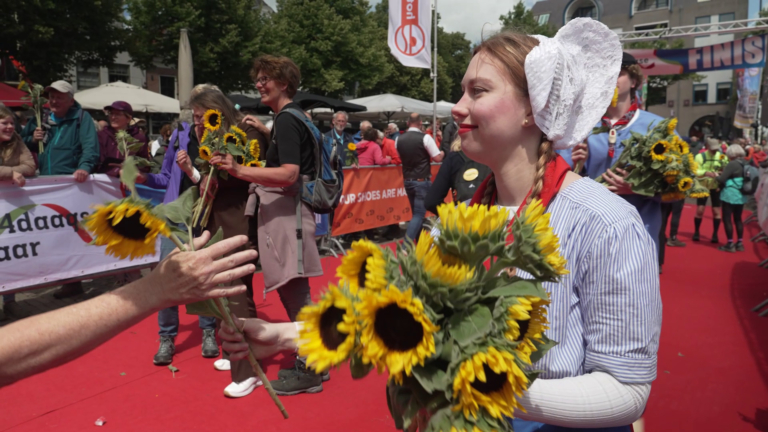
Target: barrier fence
(41, 243)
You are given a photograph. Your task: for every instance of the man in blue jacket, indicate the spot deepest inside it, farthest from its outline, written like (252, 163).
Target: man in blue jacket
(340, 136)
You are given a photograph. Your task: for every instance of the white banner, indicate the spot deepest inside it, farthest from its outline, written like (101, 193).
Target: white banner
(40, 237)
(410, 25)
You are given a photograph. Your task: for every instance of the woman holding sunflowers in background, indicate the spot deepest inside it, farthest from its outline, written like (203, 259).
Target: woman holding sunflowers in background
(520, 104)
(214, 111)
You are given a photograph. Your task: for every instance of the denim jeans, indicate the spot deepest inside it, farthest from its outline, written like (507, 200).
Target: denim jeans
(531, 426)
(168, 318)
(417, 193)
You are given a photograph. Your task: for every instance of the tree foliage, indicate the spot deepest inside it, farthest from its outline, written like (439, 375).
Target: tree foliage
(657, 84)
(522, 20)
(48, 37)
(225, 36)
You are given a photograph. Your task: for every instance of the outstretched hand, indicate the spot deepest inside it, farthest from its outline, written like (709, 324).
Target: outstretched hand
(267, 339)
(616, 182)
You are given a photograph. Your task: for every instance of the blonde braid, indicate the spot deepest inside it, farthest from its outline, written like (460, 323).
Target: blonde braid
(490, 190)
(546, 154)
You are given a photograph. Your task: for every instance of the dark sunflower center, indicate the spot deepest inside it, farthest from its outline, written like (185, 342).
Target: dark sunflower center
(362, 274)
(493, 381)
(214, 119)
(658, 149)
(329, 334)
(131, 227)
(240, 160)
(523, 329)
(397, 328)
(231, 140)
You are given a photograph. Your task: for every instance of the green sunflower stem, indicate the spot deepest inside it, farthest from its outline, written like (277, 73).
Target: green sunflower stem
(219, 305)
(619, 164)
(196, 221)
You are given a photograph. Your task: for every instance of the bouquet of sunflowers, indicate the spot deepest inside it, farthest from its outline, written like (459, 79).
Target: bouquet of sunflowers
(456, 330)
(129, 228)
(660, 163)
(214, 140)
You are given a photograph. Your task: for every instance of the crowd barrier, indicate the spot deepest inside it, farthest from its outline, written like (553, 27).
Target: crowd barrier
(42, 244)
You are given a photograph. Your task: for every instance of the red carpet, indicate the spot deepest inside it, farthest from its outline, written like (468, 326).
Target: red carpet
(713, 367)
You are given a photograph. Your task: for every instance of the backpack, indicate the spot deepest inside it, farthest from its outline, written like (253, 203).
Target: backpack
(468, 179)
(751, 179)
(324, 191)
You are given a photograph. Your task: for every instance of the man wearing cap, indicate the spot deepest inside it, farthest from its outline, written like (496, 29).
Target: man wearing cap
(603, 149)
(68, 134)
(710, 163)
(120, 115)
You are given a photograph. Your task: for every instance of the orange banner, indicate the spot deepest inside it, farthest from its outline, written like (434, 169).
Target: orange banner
(373, 197)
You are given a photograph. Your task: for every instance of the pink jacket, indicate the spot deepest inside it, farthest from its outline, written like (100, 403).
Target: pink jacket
(369, 154)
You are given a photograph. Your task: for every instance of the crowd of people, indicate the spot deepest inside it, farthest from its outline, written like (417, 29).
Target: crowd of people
(505, 146)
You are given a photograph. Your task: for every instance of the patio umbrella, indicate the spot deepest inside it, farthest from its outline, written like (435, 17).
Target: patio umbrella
(307, 101)
(394, 107)
(11, 97)
(141, 100)
(185, 68)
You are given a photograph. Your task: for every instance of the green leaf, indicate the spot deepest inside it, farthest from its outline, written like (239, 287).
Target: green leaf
(359, 369)
(219, 236)
(204, 308)
(173, 368)
(180, 210)
(183, 235)
(542, 349)
(128, 175)
(235, 150)
(430, 378)
(519, 288)
(470, 324)
(141, 162)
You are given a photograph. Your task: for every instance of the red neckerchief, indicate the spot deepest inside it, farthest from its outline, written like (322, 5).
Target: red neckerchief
(619, 125)
(553, 180)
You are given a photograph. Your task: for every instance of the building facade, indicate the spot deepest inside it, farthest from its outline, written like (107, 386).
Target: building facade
(704, 107)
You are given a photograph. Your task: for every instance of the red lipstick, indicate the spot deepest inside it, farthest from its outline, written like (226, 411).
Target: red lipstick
(464, 128)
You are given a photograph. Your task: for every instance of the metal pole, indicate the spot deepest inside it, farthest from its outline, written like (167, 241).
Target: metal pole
(434, 75)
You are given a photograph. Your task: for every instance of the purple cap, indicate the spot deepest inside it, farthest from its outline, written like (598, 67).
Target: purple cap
(120, 106)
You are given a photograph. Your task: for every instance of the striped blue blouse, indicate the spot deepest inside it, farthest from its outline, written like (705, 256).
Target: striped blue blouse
(606, 313)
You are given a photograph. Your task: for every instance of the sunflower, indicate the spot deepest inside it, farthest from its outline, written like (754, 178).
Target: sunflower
(615, 99)
(699, 194)
(671, 173)
(205, 153)
(446, 269)
(672, 196)
(254, 149)
(364, 266)
(491, 380)
(212, 120)
(671, 126)
(682, 146)
(685, 183)
(659, 150)
(548, 243)
(252, 163)
(670, 179)
(329, 330)
(477, 219)
(127, 227)
(205, 136)
(230, 138)
(241, 137)
(396, 332)
(351, 146)
(526, 323)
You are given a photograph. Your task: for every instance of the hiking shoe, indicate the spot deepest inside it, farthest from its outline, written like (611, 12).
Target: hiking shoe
(714, 239)
(695, 236)
(166, 351)
(674, 242)
(13, 310)
(210, 349)
(222, 365)
(727, 248)
(69, 290)
(739, 247)
(287, 373)
(301, 381)
(238, 390)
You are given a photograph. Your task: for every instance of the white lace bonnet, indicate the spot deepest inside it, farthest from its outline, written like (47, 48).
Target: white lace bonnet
(571, 79)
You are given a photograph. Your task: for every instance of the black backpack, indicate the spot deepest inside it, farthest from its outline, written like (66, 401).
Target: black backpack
(751, 178)
(468, 179)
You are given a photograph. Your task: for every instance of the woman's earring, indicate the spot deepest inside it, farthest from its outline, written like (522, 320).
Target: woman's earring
(525, 122)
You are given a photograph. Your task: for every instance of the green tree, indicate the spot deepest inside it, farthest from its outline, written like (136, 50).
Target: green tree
(49, 37)
(522, 20)
(657, 84)
(225, 36)
(335, 43)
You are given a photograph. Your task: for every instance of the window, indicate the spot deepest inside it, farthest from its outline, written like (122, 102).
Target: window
(644, 5)
(727, 17)
(723, 92)
(119, 72)
(168, 86)
(651, 26)
(585, 12)
(703, 20)
(87, 77)
(543, 19)
(700, 93)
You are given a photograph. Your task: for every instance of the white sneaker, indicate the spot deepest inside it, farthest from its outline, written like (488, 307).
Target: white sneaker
(237, 390)
(222, 365)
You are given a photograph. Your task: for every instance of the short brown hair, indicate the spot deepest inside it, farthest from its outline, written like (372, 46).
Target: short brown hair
(371, 134)
(280, 69)
(636, 74)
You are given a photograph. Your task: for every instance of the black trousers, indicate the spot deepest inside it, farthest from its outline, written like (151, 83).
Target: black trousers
(675, 209)
(733, 211)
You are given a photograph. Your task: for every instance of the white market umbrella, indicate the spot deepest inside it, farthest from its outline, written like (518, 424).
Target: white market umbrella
(185, 69)
(141, 100)
(394, 107)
